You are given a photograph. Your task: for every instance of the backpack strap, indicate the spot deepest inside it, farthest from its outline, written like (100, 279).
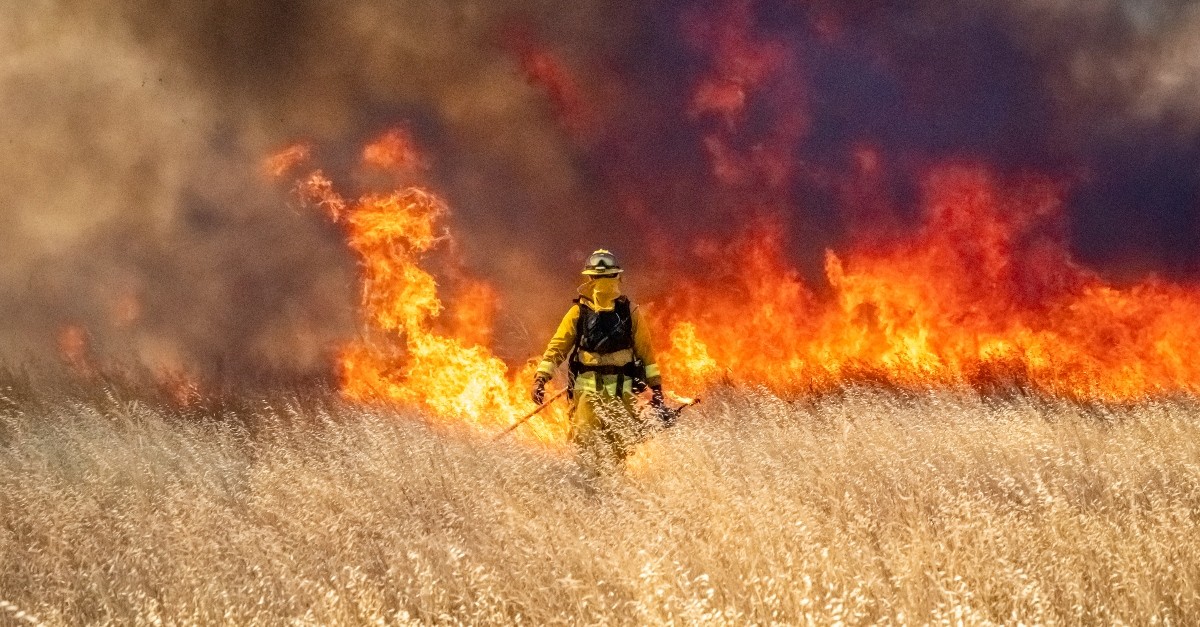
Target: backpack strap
(624, 311)
(574, 366)
(581, 321)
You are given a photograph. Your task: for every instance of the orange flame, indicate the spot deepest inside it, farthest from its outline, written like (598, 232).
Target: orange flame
(394, 151)
(283, 161)
(415, 349)
(181, 388)
(983, 294)
(953, 305)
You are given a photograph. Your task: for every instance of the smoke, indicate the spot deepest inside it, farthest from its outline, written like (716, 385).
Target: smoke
(1132, 58)
(1123, 77)
(134, 206)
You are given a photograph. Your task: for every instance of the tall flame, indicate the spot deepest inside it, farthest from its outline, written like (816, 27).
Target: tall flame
(414, 349)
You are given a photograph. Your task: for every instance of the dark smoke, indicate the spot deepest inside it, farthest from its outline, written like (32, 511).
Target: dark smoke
(132, 131)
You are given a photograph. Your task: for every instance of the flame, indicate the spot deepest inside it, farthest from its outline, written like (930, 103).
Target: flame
(395, 151)
(75, 348)
(181, 388)
(984, 294)
(474, 310)
(682, 400)
(284, 160)
(416, 349)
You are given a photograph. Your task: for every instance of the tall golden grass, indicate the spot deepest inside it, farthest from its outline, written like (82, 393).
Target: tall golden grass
(864, 507)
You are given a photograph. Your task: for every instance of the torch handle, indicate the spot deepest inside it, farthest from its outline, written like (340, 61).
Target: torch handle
(526, 417)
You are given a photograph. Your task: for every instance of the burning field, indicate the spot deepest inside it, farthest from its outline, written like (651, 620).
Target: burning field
(277, 272)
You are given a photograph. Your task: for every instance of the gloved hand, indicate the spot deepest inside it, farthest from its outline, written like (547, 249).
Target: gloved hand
(539, 388)
(656, 397)
(665, 415)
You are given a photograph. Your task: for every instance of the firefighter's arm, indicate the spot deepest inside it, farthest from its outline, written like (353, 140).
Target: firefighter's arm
(644, 349)
(560, 345)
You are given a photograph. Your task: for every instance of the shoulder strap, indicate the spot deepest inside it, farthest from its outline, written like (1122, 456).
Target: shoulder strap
(622, 307)
(624, 310)
(581, 320)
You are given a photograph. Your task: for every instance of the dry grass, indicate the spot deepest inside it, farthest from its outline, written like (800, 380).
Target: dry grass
(864, 507)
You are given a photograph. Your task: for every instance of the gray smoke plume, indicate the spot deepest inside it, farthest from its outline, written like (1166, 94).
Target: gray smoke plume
(133, 204)
(1125, 62)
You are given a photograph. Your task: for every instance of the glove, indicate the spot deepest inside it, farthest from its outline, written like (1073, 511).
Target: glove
(539, 389)
(665, 415)
(656, 397)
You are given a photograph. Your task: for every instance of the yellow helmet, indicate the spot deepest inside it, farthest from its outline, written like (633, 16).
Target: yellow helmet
(601, 263)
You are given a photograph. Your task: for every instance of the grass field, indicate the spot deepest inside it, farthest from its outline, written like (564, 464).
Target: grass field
(859, 507)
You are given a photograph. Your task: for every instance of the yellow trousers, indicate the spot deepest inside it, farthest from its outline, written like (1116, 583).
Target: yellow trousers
(604, 428)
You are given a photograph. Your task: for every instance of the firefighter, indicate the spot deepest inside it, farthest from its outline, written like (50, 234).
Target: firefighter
(606, 343)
